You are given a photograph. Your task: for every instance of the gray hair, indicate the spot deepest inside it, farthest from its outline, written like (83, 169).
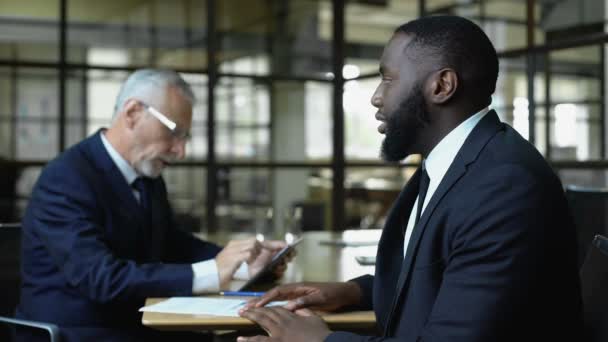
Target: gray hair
(149, 85)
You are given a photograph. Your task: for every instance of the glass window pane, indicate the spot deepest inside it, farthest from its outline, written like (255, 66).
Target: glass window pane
(25, 184)
(575, 132)
(7, 102)
(102, 88)
(584, 178)
(75, 132)
(575, 84)
(130, 33)
(510, 100)
(576, 74)
(6, 140)
(504, 21)
(261, 200)
(196, 149)
(362, 139)
(370, 193)
(30, 30)
(36, 116)
(275, 37)
(186, 187)
(298, 130)
(541, 133)
(368, 27)
(567, 20)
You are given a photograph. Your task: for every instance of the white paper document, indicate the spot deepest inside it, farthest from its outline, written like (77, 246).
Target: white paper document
(201, 306)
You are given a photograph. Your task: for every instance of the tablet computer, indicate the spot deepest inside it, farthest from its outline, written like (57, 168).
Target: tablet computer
(266, 274)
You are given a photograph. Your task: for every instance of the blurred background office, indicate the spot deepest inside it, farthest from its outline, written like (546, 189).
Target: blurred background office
(284, 135)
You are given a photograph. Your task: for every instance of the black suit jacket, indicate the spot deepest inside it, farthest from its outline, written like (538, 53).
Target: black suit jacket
(89, 260)
(493, 257)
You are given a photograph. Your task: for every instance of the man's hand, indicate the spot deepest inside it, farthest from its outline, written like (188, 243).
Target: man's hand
(233, 255)
(318, 296)
(269, 249)
(283, 325)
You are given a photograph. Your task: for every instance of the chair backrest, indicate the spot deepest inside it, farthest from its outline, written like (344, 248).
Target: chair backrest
(312, 215)
(594, 286)
(10, 259)
(589, 209)
(10, 263)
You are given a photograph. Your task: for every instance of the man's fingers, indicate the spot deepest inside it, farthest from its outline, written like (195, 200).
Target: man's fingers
(274, 244)
(303, 302)
(263, 318)
(250, 303)
(269, 297)
(305, 313)
(291, 255)
(280, 269)
(252, 339)
(282, 314)
(255, 248)
(249, 256)
(276, 314)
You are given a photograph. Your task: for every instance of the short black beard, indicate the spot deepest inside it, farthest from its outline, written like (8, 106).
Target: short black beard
(403, 126)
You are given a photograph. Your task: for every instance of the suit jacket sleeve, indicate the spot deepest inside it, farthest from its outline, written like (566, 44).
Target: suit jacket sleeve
(366, 283)
(183, 247)
(66, 219)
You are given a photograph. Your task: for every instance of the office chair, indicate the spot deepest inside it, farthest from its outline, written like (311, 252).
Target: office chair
(589, 209)
(594, 285)
(10, 252)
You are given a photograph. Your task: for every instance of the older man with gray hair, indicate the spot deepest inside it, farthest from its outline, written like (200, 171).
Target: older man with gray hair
(99, 235)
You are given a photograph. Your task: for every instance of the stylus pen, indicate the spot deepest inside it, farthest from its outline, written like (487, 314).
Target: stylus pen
(242, 293)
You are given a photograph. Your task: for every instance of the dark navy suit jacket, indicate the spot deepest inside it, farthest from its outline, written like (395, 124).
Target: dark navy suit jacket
(88, 260)
(493, 257)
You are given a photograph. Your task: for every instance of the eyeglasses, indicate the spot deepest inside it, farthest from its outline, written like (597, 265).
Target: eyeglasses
(172, 126)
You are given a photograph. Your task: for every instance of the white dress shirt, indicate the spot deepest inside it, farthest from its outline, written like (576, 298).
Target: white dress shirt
(438, 162)
(206, 275)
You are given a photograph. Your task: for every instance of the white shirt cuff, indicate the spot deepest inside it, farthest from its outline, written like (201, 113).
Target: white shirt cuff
(242, 273)
(206, 277)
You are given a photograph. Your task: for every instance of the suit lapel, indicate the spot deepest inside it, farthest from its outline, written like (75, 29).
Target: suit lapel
(469, 151)
(98, 155)
(388, 261)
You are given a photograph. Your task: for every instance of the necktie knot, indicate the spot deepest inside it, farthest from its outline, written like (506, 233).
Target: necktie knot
(138, 184)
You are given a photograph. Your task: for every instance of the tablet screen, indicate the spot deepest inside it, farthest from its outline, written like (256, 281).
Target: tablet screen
(266, 273)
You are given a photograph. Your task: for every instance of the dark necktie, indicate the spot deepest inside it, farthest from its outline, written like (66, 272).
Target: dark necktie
(422, 189)
(140, 184)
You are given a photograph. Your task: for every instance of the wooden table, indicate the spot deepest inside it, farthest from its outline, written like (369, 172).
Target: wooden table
(314, 262)
(177, 322)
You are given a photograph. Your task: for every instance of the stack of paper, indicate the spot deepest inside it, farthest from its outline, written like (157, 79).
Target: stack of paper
(201, 306)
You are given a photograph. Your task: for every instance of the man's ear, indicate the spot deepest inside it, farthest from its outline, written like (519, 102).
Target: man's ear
(131, 112)
(442, 86)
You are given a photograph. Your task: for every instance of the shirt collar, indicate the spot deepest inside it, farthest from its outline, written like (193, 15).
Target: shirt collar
(442, 156)
(125, 169)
